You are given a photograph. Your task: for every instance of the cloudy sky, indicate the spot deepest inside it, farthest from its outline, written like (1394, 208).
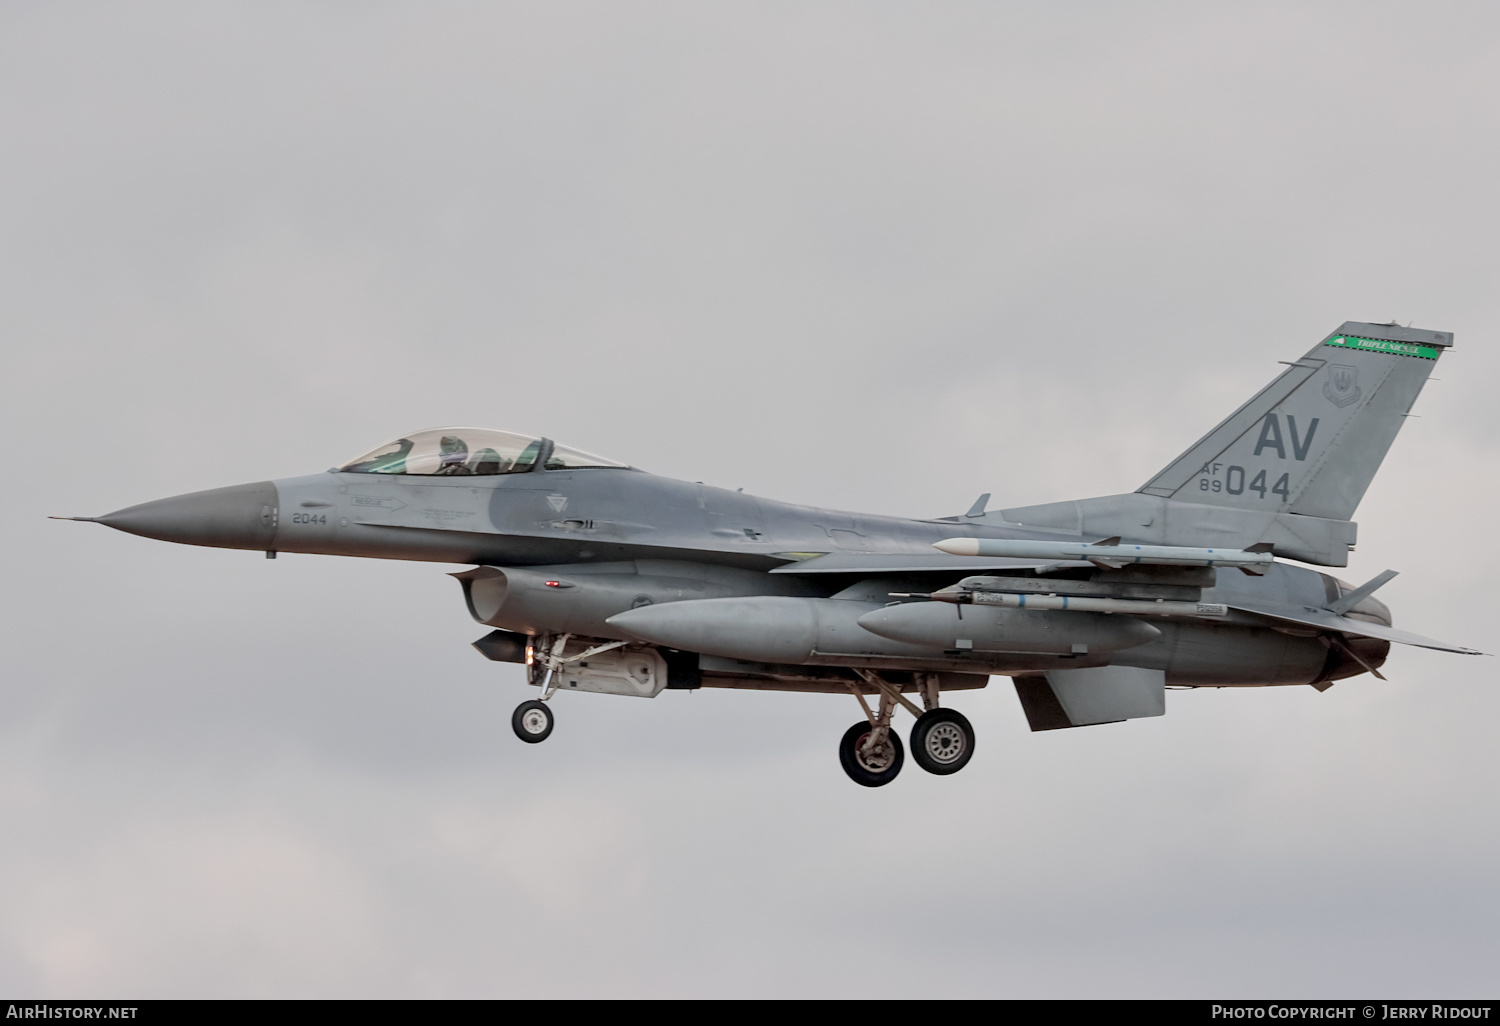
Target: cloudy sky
(869, 255)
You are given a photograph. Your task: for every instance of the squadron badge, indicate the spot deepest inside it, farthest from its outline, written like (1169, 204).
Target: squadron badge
(1340, 388)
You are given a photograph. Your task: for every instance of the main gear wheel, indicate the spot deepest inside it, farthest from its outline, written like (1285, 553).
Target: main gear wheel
(942, 741)
(871, 766)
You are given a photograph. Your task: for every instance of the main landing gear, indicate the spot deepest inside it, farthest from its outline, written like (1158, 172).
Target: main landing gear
(942, 741)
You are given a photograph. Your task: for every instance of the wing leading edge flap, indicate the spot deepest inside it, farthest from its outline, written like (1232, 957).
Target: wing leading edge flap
(1329, 621)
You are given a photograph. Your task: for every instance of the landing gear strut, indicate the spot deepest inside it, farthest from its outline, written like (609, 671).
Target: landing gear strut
(942, 741)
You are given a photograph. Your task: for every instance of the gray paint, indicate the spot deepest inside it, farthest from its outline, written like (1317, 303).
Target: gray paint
(1107, 694)
(1319, 430)
(619, 554)
(1349, 406)
(984, 629)
(237, 517)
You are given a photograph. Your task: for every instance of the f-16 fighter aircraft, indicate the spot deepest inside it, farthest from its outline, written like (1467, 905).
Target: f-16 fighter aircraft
(604, 578)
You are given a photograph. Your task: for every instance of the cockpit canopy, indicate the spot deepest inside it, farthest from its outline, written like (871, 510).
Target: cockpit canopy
(461, 451)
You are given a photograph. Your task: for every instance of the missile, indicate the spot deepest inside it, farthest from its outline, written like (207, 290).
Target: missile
(1109, 553)
(1083, 604)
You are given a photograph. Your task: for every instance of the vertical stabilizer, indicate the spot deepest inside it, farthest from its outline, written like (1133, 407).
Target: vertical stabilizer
(1310, 442)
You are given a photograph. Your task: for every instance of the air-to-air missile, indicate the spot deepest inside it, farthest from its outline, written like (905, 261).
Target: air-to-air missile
(1110, 553)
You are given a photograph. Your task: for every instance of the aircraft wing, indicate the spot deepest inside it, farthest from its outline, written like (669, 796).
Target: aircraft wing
(907, 562)
(1328, 621)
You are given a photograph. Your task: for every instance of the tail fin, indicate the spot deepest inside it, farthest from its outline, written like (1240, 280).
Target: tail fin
(1310, 442)
(1287, 469)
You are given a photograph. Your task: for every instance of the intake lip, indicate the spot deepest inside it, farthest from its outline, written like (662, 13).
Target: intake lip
(238, 517)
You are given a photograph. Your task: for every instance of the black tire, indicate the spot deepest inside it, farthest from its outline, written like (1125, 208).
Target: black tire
(942, 742)
(859, 770)
(528, 726)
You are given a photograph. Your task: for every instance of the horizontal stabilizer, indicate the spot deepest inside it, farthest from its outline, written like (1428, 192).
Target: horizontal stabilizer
(897, 563)
(1324, 620)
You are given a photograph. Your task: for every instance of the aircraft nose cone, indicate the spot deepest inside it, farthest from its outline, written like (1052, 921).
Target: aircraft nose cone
(238, 517)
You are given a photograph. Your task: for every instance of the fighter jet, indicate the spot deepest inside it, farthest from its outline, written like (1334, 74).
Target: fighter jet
(600, 577)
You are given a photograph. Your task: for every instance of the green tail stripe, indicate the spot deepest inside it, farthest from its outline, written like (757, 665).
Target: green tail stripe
(1382, 346)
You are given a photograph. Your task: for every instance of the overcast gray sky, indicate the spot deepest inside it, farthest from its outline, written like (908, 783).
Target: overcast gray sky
(868, 255)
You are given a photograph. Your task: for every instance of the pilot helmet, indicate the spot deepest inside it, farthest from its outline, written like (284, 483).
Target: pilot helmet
(452, 449)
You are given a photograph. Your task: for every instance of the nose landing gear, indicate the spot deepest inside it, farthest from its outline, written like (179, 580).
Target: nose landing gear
(942, 741)
(546, 661)
(532, 721)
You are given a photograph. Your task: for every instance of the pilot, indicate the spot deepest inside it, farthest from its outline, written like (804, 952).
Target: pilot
(453, 456)
(488, 461)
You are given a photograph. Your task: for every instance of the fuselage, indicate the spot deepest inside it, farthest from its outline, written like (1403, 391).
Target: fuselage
(611, 538)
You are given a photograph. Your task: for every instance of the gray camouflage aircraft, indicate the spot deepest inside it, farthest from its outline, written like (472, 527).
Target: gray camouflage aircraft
(601, 577)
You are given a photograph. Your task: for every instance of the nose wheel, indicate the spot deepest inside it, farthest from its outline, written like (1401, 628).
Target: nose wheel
(532, 721)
